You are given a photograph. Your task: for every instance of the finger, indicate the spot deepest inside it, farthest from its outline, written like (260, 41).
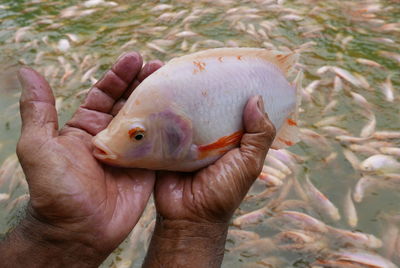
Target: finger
(147, 70)
(37, 105)
(90, 121)
(114, 83)
(258, 137)
(94, 114)
(117, 106)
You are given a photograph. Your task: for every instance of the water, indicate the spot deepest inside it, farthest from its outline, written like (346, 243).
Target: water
(341, 31)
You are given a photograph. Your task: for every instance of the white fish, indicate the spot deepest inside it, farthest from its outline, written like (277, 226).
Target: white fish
(252, 217)
(293, 205)
(387, 89)
(255, 247)
(288, 220)
(242, 235)
(4, 197)
(330, 106)
(329, 120)
(278, 164)
(347, 139)
(274, 172)
(390, 150)
(335, 131)
(365, 258)
(369, 128)
(383, 135)
(368, 62)
(360, 100)
(270, 180)
(352, 79)
(380, 163)
(363, 149)
(363, 186)
(357, 239)
(167, 125)
(352, 158)
(390, 232)
(350, 210)
(337, 84)
(320, 202)
(7, 169)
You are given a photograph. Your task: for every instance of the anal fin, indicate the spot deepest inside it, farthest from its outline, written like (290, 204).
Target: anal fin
(287, 135)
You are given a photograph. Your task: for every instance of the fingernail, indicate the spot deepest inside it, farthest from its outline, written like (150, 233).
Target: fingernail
(260, 104)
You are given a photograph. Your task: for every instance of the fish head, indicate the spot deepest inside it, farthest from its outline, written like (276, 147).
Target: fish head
(156, 141)
(125, 142)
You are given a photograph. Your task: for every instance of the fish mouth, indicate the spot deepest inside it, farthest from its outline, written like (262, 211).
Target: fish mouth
(102, 152)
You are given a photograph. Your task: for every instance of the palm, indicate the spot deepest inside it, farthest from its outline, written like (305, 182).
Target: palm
(77, 193)
(213, 193)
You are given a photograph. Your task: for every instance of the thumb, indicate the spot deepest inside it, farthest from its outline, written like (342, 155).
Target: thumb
(258, 137)
(37, 106)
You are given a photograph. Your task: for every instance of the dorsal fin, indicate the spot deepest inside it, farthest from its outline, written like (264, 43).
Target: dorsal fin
(284, 61)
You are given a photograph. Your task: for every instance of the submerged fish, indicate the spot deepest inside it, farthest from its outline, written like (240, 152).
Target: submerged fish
(189, 112)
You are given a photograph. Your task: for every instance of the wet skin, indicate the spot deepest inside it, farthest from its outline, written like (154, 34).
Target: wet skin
(80, 210)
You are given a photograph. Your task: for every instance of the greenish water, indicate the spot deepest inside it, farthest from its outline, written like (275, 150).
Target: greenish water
(340, 31)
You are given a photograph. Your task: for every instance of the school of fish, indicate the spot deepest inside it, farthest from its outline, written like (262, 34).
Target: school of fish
(331, 200)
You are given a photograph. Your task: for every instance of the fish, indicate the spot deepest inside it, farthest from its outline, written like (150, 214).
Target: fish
(395, 151)
(364, 258)
(4, 197)
(363, 186)
(255, 247)
(287, 220)
(250, 218)
(380, 163)
(187, 114)
(242, 235)
(350, 210)
(270, 180)
(359, 239)
(319, 201)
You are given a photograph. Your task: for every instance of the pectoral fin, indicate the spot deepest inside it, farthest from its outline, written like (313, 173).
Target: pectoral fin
(176, 134)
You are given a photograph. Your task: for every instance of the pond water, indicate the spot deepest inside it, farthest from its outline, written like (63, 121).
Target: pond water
(73, 42)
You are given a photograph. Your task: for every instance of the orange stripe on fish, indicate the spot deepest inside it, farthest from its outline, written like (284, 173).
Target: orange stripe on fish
(210, 149)
(135, 130)
(291, 122)
(288, 143)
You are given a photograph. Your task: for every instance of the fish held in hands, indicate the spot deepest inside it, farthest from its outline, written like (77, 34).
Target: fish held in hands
(188, 113)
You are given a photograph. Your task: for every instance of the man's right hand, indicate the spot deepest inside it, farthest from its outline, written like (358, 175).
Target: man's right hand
(80, 210)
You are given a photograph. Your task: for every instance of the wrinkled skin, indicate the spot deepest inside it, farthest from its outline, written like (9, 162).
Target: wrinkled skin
(213, 193)
(98, 205)
(69, 189)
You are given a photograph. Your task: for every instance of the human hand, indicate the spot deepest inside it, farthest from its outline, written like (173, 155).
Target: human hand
(80, 210)
(194, 209)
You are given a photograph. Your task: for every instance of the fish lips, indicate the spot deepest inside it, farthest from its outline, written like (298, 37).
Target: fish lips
(102, 152)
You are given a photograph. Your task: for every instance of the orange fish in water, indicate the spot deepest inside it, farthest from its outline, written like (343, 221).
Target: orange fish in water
(188, 113)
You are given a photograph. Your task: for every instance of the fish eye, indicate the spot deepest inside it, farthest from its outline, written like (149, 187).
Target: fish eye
(136, 133)
(139, 136)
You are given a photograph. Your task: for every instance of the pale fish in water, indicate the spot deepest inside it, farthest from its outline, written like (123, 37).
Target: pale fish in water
(362, 257)
(350, 210)
(380, 163)
(320, 202)
(188, 113)
(288, 220)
